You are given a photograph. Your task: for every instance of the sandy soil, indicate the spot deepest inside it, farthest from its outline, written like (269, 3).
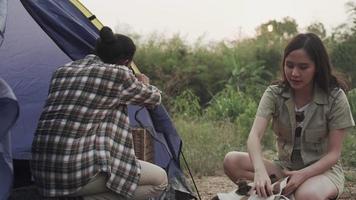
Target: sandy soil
(208, 186)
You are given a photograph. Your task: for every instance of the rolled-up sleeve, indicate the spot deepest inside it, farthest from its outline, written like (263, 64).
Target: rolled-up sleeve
(137, 93)
(267, 105)
(340, 116)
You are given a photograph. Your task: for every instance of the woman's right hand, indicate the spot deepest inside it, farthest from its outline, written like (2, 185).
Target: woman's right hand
(262, 183)
(143, 79)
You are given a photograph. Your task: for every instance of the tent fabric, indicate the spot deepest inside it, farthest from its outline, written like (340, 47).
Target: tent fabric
(162, 151)
(27, 59)
(87, 14)
(42, 35)
(3, 12)
(67, 26)
(9, 113)
(163, 124)
(167, 147)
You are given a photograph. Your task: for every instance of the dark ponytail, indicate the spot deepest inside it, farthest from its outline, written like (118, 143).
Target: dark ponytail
(113, 48)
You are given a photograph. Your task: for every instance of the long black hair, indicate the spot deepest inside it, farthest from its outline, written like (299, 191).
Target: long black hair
(314, 47)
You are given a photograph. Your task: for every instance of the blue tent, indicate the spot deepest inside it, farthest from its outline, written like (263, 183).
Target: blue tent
(36, 37)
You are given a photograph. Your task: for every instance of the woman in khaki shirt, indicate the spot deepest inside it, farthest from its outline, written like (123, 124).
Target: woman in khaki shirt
(310, 117)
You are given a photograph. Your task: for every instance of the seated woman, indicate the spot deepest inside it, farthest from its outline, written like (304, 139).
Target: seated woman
(83, 144)
(310, 116)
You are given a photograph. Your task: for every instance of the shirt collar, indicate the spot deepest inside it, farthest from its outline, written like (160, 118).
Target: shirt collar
(92, 56)
(320, 97)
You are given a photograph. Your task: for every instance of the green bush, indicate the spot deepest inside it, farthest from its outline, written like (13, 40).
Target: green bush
(186, 105)
(349, 149)
(229, 104)
(352, 101)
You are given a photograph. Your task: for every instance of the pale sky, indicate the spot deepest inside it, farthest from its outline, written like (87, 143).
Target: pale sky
(215, 19)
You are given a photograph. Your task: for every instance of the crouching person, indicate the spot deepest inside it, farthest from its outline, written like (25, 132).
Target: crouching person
(83, 144)
(310, 117)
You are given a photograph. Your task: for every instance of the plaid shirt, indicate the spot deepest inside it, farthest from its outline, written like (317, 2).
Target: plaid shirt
(84, 128)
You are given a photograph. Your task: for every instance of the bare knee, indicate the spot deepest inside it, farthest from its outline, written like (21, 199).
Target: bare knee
(233, 163)
(231, 160)
(308, 194)
(317, 187)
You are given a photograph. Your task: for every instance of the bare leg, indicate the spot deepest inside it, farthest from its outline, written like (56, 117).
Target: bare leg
(311, 189)
(237, 165)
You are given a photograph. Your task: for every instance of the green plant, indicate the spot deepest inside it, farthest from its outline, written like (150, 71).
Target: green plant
(352, 101)
(349, 149)
(229, 104)
(186, 104)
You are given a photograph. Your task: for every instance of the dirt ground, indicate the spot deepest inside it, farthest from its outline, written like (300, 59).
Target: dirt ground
(208, 186)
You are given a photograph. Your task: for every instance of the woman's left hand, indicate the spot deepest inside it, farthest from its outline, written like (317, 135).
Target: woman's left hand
(296, 178)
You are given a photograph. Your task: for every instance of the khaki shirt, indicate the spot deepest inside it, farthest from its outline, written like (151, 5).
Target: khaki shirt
(325, 113)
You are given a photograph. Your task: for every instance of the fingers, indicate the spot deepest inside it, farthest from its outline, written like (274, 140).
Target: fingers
(260, 189)
(289, 189)
(291, 183)
(287, 172)
(263, 189)
(143, 78)
(269, 189)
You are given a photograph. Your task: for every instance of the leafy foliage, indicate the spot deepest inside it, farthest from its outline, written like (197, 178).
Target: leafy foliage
(187, 105)
(213, 89)
(229, 104)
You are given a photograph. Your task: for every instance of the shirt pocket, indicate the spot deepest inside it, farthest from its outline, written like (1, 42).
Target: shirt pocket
(284, 141)
(283, 132)
(315, 140)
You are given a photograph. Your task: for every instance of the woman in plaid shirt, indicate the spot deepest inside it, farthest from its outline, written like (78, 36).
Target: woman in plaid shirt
(83, 144)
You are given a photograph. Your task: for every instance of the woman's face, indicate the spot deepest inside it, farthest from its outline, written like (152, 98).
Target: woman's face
(299, 70)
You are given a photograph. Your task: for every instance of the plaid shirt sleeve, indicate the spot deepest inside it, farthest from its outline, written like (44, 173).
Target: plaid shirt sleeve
(135, 92)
